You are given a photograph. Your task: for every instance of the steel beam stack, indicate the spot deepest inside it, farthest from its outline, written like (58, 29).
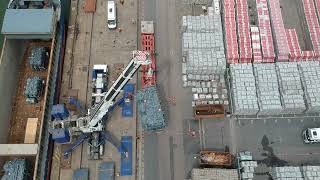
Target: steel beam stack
(265, 31)
(310, 77)
(293, 44)
(291, 91)
(279, 33)
(243, 89)
(313, 26)
(243, 32)
(267, 89)
(230, 32)
(256, 47)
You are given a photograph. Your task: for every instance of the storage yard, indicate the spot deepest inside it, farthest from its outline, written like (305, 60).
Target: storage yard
(161, 90)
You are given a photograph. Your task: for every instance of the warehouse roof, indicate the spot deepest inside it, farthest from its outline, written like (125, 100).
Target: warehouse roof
(28, 21)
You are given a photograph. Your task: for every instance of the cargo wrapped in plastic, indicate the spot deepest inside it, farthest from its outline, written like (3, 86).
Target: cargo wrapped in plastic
(39, 58)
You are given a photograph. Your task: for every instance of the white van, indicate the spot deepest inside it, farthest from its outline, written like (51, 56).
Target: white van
(311, 135)
(112, 15)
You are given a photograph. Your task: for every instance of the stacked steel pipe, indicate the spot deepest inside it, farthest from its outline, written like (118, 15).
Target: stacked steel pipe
(243, 32)
(230, 32)
(265, 31)
(279, 32)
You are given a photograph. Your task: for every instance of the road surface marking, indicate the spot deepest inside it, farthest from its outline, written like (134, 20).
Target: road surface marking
(276, 121)
(289, 121)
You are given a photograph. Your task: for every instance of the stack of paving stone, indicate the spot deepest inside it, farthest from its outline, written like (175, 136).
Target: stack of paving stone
(201, 62)
(201, 23)
(292, 95)
(206, 41)
(310, 77)
(247, 169)
(214, 174)
(243, 89)
(204, 63)
(207, 89)
(286, 173)
(311, 172)
(267, 89)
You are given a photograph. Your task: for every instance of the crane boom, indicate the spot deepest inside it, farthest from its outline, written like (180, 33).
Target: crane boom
(100, 110)
(90, 122)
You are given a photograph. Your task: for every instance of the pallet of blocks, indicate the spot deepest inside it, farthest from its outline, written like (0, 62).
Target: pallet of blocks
(214, 174)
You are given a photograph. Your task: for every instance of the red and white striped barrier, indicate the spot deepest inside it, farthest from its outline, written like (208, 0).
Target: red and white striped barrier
(230, 32)
(243, 32)
(255, 42)
(279, 31)
(265, 31)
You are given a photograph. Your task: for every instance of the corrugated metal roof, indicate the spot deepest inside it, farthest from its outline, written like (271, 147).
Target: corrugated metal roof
(28, 21)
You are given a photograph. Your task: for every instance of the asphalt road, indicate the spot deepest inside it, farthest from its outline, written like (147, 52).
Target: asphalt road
(164, 152)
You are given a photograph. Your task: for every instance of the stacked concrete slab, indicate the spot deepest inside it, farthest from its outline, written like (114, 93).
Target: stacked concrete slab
(214, 174)
(279, 32)
(293, 44)
(247, 169)
(256, 47)
(201, 23)
(204, 63)
(265, 31)
(267, 89)
(285, 173)
(310, 77)
(244, 39)
(201, 62)
(229, 17)
(313, 26)
(296, 173)
(292, 95)
(243, 89)
(311, 172)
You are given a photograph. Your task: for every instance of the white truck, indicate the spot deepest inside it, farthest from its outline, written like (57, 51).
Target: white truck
(311, 135)
(112, 15)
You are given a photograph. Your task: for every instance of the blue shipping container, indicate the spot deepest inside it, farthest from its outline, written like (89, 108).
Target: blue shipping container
(81, 174)
(127, 107)
(106, 171)
(61, 136)
(59, 111)
(126, 157)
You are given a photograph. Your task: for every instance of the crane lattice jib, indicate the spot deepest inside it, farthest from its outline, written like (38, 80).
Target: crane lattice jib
(100, 110)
